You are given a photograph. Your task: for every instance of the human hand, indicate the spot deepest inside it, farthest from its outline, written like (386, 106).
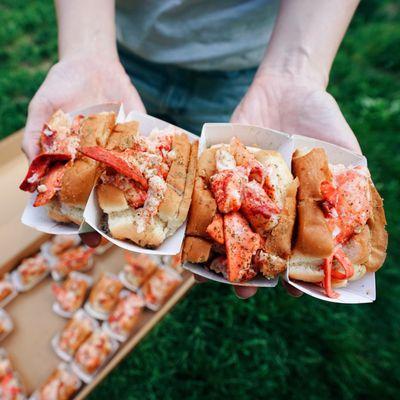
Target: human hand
(295, 104)
(73, 83)
(77, 82)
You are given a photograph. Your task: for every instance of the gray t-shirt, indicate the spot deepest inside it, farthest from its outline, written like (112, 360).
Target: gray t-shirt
(197, 34)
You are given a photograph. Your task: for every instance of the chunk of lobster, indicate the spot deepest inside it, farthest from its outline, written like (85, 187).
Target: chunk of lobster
(227, 190)
(240, 243)
(245, 158)
(114, 160)
(216, 229)
(347, 201)
(258, 208)
(49, 185)
(134, 194)
(38, 169)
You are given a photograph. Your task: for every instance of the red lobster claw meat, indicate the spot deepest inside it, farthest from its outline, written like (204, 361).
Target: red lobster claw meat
(116, 162)
(38, 168)
(52, 183)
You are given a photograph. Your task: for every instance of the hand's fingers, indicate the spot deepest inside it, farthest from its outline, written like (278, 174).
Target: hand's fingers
(91, 239)
(199, 279)
(332, 126)
(244, 292)
(292, 291)
(40, 109)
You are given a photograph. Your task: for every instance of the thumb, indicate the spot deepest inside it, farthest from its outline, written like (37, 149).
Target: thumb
(39, 111)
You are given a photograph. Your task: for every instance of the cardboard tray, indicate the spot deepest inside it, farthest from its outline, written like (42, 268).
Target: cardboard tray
(35, 322)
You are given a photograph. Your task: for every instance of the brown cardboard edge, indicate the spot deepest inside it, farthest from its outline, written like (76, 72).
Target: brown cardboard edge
(10, 146)
(134, 340)
(25, 252)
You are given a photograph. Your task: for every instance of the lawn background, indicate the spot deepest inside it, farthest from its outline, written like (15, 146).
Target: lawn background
(213, 345)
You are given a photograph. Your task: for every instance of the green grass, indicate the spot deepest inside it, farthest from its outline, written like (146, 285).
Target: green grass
(213, 345)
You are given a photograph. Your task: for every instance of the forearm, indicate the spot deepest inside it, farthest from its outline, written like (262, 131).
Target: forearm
(86, 27)
(306, 37)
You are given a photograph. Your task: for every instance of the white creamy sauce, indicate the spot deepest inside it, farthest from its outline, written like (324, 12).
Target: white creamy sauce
(42, 188)
(34, 178)
(48, 132)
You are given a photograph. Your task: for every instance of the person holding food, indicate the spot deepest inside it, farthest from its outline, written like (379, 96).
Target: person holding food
(265, 63)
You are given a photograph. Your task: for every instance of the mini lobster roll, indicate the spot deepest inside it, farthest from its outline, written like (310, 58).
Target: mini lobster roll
(61, 176)
(341, 223)
(242, 213)
(147, 182)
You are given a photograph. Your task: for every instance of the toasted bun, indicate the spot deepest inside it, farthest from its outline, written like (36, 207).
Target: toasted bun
(207, 164)
(175, 222)
(60, 121)
(77, 182)
(359, 271)
(80, 175)
(308, 269)
(111, 199)
(196, 250)
(54, 212)
(313, 235)
(202, 209)
(379, 236)
(180, 181)
(277, 246)
(96, 129)
(123, 135)
(63, 213)
(178, 171)
(274, 161)
(125, 223)
(358, 249)
(311, 168)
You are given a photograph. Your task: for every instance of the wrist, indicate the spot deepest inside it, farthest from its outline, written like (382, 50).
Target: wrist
(91, 55)
(97, 50)
(294, 65)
